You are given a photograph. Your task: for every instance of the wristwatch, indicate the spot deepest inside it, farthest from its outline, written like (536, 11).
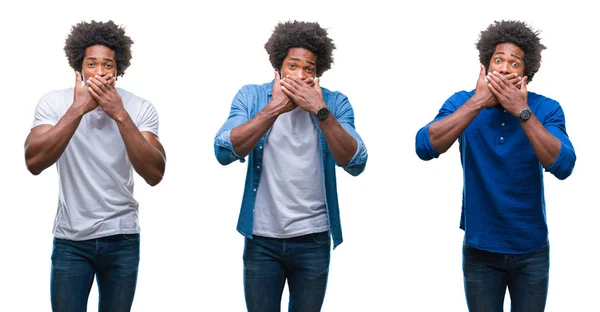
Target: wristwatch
(322, 113)
(524, 114)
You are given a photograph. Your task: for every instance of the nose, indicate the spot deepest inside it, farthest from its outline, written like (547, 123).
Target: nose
(504, 68)
(300, 74)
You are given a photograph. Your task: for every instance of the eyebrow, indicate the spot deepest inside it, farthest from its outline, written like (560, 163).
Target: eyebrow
(298, 60)
(513, 55)
(104, 59)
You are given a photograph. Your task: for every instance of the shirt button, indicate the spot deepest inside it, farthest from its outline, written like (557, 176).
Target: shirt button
(502, 124)
(260, 146)
(505, 111)
(501, 138)
(257, 167)
(255, 190)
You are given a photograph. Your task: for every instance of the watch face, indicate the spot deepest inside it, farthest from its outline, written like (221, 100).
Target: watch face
(323, 113)
(525, 114)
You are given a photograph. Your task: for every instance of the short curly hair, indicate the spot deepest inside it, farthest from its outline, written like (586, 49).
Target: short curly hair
(109, 34)
(306, 35)
(517, 33)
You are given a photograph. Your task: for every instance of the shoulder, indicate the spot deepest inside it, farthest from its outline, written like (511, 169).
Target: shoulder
(333, 97)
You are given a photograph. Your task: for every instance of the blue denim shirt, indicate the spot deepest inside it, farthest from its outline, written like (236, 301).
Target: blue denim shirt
(503, 207)
(250, 100)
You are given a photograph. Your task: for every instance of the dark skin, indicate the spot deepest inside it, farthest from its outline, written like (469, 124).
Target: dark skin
(45, 143)
(298, 88)
(545, 146)
(443, 133)
(504, 86)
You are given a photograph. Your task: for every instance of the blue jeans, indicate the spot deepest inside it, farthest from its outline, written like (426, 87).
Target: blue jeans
(113, 259)
(302, 260)
(488, 274)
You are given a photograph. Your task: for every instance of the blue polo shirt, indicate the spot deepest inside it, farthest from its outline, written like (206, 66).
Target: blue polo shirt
(503, 208)
(250, 100)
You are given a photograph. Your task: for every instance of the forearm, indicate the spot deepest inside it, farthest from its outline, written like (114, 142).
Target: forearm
(43, 149)
(147, 160)
(545, 146)
(245, 137)
(444, 132)
(341, 144)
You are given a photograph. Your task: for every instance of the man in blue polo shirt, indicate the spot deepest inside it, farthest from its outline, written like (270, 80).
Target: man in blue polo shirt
(508, 137)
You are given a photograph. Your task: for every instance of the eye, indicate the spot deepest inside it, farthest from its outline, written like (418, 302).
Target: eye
(108, 65)
(515, 64)
(91, 64)
(292, 65)
(310, 69)
(497, 60)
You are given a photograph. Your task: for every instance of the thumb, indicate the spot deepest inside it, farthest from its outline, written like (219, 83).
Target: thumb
(481, 72)
(317, 83)
(524, 84)
(78, 78)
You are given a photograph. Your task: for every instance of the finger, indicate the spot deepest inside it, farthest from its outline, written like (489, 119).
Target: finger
(103, 81)
(501, 79)
(277, 78)
(524, 85)
(95, 85)
(289, 84)
(97, 82)
(78, 81)
(287, 92)
(495, 81)
(317, 85)
(494, 91)
(482, 72)
(94, 94)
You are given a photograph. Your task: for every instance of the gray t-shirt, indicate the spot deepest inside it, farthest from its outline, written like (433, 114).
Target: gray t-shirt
(95, 174)
(290, 200)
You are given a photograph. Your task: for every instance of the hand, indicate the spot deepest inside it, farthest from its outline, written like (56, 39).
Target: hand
(512, 98)
(280, 102)
(309, 98)
(102, 89)
(81, 97)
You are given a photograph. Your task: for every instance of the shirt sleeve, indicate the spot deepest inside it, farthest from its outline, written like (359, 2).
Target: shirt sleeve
(148, 118)
(46, 111)
(238, 115)
(563, 166)
(423, 146)
(345, 116)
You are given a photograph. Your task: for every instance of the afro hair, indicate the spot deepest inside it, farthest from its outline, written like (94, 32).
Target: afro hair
(109, 34)
(517, 33)
(309, 36)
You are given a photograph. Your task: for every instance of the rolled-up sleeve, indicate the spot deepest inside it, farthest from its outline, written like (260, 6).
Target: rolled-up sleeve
(345, 116)
(423, 145)
(238, 115)
(565, 162)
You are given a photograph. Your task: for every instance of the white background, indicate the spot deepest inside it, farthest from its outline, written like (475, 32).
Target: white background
(397, 64)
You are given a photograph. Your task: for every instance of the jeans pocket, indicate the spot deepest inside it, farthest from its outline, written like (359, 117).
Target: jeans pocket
(321, 238)
(132, 237)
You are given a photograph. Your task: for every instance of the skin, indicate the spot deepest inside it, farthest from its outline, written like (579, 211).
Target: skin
(499, 87)
(298, 88)
(45, 143)
(545, 146)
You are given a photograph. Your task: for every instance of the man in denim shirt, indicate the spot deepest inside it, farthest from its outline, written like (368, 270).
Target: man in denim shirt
(294, 133)
(508, 137)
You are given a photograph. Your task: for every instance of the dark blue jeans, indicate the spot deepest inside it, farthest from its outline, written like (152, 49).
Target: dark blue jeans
(488, 274)
(113, 259)
(302, 260)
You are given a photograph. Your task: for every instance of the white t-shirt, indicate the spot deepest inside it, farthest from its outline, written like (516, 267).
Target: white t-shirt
(290, 200)
(95, 174)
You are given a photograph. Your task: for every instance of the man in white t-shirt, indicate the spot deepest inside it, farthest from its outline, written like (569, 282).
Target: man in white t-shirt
(97, 135)
(294, 133)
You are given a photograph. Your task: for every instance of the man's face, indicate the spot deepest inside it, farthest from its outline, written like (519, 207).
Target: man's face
(508, 59)
(98, 60)
(299, 62)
